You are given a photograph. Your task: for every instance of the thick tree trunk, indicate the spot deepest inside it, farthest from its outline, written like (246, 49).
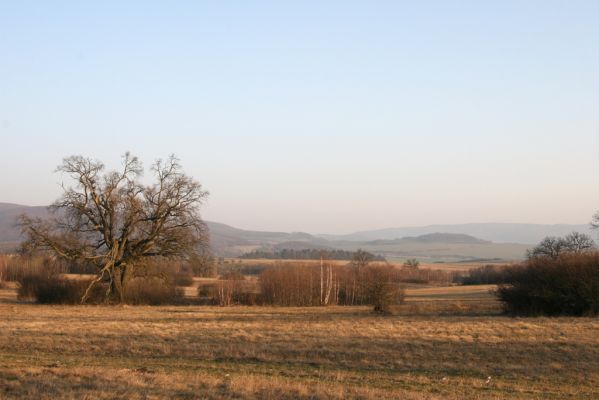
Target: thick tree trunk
(121, 277)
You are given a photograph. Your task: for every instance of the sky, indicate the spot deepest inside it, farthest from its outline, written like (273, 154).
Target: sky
(316, 116)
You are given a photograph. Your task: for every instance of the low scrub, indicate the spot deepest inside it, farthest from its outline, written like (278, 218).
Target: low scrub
(564, 285)
(486, 275)
(53, 289)
(15, 268)
(183, 279)
(231, 289)
(152, 291)
(57, 289)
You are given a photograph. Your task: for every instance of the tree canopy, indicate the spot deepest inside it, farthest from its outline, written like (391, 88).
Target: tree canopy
(113, 220)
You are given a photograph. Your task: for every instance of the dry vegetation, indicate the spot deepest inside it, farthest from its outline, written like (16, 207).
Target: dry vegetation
(320, 352)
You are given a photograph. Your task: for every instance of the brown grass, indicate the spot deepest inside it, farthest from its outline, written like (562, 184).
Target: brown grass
(140, 352)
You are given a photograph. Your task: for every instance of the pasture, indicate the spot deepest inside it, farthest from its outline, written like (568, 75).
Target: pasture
(443, 343)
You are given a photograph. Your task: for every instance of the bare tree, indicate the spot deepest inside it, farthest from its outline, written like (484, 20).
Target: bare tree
(411, 264)
(115, 222)
(552, 247)
(361, 259)
(577, 242)
(595, 221)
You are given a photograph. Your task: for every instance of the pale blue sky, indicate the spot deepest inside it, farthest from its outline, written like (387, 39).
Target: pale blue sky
(319, 116)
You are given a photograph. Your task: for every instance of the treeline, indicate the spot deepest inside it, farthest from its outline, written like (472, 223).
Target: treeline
(306, 254)
(307, 285)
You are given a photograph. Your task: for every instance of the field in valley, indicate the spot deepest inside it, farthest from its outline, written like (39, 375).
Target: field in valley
(443, 266)
(444, 343)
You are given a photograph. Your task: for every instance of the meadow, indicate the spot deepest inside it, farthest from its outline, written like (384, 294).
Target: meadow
(443, 343)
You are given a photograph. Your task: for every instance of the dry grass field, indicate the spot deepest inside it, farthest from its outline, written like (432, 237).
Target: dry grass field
(441, 344)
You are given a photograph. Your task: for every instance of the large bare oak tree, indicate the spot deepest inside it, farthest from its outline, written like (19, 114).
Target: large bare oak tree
(113, 220)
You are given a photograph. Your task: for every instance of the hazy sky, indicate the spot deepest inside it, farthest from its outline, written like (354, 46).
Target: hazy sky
(318, 116)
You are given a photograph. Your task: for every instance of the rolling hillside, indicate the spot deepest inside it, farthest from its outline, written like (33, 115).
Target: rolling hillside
(425, 243)
(494, 232)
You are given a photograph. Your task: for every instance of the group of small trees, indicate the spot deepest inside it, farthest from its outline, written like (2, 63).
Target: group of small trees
(560, 277)
(553, 247)
(304, 254)
(327, 284)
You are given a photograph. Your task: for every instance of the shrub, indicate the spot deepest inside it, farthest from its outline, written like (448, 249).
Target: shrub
(565, 285)
(244, 269)
(152, 291)
(486, 275)
(381, 290)
(232, 288)
(183, 279)
(18, 267)
(3, 267)
(226, 292)
(411, 264)
(52, 289)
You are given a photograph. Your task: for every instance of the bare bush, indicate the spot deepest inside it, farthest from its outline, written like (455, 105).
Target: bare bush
(183, 279)
(43, 280)
(411, 264)
(312, 285)
(18, 267)
(381, 288)
(486, 275)
(153, 291)
(230, 289)
(53, 289)
(564, 285)
(3, 268)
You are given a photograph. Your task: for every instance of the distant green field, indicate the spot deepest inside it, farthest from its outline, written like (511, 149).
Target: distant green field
(447, 252)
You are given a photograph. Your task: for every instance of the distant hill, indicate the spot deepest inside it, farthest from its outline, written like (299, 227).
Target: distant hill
(494, 232)
(451, 243)
(10, 234)
(226, 240)
(434, 238)
(230, 242)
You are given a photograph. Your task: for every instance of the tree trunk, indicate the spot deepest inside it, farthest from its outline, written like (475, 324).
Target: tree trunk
(121, 277)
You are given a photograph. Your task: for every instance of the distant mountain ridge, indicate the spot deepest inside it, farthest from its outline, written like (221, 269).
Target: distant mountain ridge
(438, 237)
(494, 232)
(433, 243)
(10, 234)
